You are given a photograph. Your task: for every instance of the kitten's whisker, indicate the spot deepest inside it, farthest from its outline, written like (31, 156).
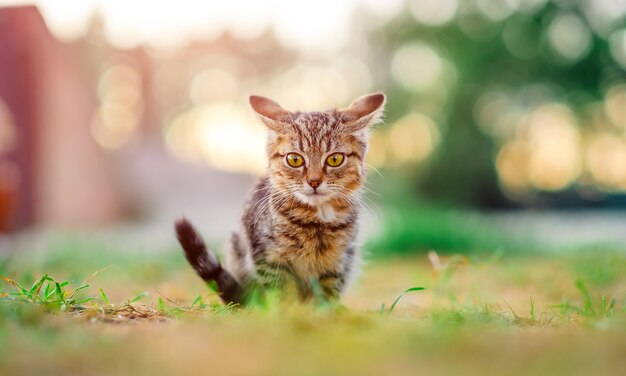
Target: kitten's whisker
(362, 200)
(259, 205)
(263, 205)
(375, 169)
(380, 213)
(368, 189)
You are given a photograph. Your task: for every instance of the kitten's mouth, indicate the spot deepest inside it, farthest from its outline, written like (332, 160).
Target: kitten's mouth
(315, 195)
(313, 198)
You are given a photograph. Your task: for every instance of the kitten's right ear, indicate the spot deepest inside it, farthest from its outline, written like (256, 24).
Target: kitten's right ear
(364, 111)
(270, 112)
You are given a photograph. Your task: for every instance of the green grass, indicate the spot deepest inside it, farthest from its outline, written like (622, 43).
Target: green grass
(479, 314)
(49, 293)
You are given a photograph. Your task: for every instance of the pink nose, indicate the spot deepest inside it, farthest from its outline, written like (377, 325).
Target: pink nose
(314, 183)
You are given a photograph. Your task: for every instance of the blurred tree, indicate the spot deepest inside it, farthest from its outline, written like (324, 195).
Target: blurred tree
(504, 55)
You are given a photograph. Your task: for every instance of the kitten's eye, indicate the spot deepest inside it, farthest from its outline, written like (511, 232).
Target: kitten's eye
(335, 160)
(295, 160)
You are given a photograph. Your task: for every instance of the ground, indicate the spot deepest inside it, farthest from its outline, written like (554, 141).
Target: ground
(483, 314)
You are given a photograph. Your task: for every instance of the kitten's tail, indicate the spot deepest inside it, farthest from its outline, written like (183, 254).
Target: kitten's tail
(205, 263)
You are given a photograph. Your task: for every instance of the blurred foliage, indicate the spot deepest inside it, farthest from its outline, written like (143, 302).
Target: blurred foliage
(420, 228)
(507, 54)
(412, 226)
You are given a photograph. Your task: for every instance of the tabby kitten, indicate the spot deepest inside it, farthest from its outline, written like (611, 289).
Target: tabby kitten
(299, 225)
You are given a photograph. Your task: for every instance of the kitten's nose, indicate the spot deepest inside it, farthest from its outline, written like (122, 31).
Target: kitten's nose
(314, 183)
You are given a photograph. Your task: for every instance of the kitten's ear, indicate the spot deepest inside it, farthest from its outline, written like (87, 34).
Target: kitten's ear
(271, 113)
(364, 111)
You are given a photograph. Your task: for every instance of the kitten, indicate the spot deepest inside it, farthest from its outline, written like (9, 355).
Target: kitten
(300, 223)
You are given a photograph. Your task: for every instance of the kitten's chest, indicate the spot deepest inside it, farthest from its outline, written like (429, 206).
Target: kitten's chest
(311, 248)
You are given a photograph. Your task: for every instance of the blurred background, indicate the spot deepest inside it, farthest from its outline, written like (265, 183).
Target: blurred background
(505, 127)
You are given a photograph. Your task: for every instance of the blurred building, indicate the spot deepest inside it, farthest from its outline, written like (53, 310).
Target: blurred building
(51, 169)
(91, 134)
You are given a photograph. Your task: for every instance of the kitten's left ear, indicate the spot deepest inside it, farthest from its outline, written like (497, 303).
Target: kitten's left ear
(364, 111)
(272, 114)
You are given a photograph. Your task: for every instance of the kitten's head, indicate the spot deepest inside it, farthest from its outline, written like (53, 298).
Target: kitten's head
(318, 156)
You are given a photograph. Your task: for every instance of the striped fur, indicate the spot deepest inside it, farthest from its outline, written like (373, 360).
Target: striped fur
(295, 237)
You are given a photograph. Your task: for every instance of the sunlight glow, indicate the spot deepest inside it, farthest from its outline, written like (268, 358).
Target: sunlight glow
(224, 135)
(313, 27)
(320, 25)
(67, 22)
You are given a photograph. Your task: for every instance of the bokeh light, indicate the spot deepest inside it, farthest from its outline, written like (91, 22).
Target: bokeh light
(310, 87)
(606, 158)
(213, 84)
(617, 43)
(569, 37)
(496, 10)
(512, 164)
(615, 106)
(497, 115)
(416, 66)
(433, 12)
(8, 133)
(604, 15)
(552, 133)
(121, 107)
(413, 137)
(377, 150)
(545, 153)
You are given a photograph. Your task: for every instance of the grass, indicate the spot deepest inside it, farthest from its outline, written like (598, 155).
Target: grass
(113, 312)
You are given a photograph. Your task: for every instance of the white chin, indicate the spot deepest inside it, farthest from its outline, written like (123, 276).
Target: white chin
(313, 199)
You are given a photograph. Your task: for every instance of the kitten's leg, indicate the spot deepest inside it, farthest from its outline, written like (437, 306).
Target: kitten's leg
(272, 276)
(332, 285)
(205, 263)
(237, 261)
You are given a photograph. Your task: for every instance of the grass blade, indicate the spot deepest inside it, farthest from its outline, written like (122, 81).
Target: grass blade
(105, 297)
(393, 306)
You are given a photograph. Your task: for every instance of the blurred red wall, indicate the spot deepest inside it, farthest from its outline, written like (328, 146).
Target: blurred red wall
(56, 174)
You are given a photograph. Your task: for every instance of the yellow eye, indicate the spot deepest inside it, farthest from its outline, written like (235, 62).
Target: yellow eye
(334, 160)
(295, 160)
